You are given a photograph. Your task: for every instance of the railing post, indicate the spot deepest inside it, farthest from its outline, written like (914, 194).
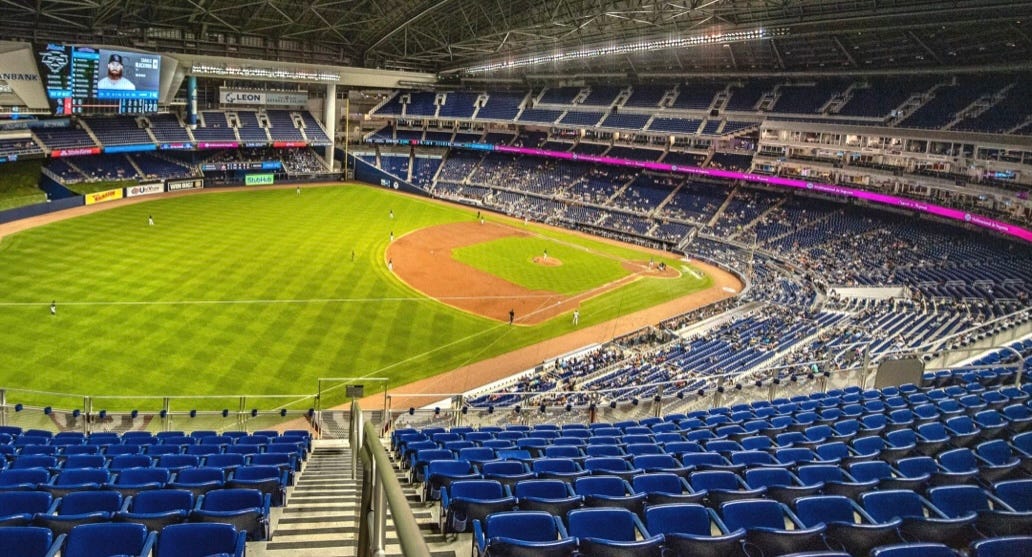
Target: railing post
(379, 515)
(87, 410)
(166, 406)
(3, 407)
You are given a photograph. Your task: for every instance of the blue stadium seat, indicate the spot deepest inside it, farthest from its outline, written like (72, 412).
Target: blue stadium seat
(688, 529)
(199, 480)
(113, 538)
(609, 532)
(722, 486)
(781, 485)
(267, 479)
(80, 507)
(17, 508)
(609, 491)
(467, 500)
(1002, 546)
(508, 472)
(922, 521)
(993, 516)
(23, 478)
(835, 479)
(135, 480)
(441, 474)
(914, 550)
(157, 508)
(848, 527)
(522, 534)
(190, 540)
(246, 509)
(77, 479)
(553, 496)
(558, 468)
(29, 541)
(1015, 493)
(765, 524)
(665, 488)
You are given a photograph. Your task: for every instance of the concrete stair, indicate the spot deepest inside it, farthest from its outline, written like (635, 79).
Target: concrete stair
(321, 516)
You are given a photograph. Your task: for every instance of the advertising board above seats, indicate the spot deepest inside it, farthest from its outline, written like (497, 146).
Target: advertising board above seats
(262, 98)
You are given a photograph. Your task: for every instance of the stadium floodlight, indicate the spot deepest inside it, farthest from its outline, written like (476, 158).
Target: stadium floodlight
(629, 48)
(251, 72)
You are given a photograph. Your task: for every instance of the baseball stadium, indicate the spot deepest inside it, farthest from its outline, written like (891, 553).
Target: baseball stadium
(540, 278)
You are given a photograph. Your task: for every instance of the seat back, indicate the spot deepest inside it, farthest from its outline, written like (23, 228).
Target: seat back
(232, 500)
(600, 485)
(813, 510)
(958, 500)
(714, 479)
(535, 526)
(681, 518)
(883, 506)
(188, 540)
(17, 477)
(476, 489)
(659, 482)
(76, 476)
(605, 523)
(542, 489)
(82, 502)
(1002, 547)
(22, 502)
(1016, 493)
(161, 500)
(136, 476)
(25, 541)
(130, 461)
(200, 474)
(110, 538)
(753, 513)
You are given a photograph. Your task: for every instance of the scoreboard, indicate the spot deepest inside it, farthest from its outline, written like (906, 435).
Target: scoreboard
(90, 80)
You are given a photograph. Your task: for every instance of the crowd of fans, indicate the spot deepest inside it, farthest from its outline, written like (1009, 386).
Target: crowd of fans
(793, 251)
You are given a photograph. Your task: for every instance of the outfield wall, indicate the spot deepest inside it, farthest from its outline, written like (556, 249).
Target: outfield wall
(365, 172)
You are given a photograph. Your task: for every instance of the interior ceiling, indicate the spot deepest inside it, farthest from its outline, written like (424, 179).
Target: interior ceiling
(446, 36)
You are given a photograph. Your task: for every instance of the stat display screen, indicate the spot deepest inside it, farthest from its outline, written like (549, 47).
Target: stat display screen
(90, 80)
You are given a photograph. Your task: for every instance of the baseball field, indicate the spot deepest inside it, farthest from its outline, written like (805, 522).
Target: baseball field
(264, 291)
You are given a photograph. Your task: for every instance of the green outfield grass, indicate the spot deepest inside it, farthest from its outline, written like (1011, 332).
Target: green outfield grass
(255, 292)
(20, 184)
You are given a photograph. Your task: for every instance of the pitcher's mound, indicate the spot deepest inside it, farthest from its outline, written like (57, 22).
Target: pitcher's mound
(550, 262)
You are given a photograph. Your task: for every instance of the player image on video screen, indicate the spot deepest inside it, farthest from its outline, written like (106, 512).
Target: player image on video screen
(115, 78)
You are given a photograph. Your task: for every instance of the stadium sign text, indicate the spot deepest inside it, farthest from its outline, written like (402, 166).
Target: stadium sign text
(102, 196)
(262, 98)
(259, 179)
(177, 185)
(144, 189)
(19, 77)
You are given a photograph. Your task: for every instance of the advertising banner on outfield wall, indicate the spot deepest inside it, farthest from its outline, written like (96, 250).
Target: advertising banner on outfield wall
(145, 189)
(259, 179)
(262, 98)
(177, 185)
(102, 196)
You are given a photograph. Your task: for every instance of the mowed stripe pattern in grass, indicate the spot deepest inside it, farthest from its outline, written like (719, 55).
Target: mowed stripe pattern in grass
(242, 291)
(512, 259)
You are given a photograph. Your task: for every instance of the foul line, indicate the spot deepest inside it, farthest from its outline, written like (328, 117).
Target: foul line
(290, 301)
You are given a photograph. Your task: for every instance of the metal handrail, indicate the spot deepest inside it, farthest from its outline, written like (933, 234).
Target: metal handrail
(380, 489)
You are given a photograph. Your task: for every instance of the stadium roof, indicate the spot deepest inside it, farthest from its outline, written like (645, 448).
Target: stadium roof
(452, 36)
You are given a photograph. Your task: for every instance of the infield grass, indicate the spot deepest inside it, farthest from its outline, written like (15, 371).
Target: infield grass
(255, 292)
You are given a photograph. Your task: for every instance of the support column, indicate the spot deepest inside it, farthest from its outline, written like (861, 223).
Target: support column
(330, 120)
(191, 101)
